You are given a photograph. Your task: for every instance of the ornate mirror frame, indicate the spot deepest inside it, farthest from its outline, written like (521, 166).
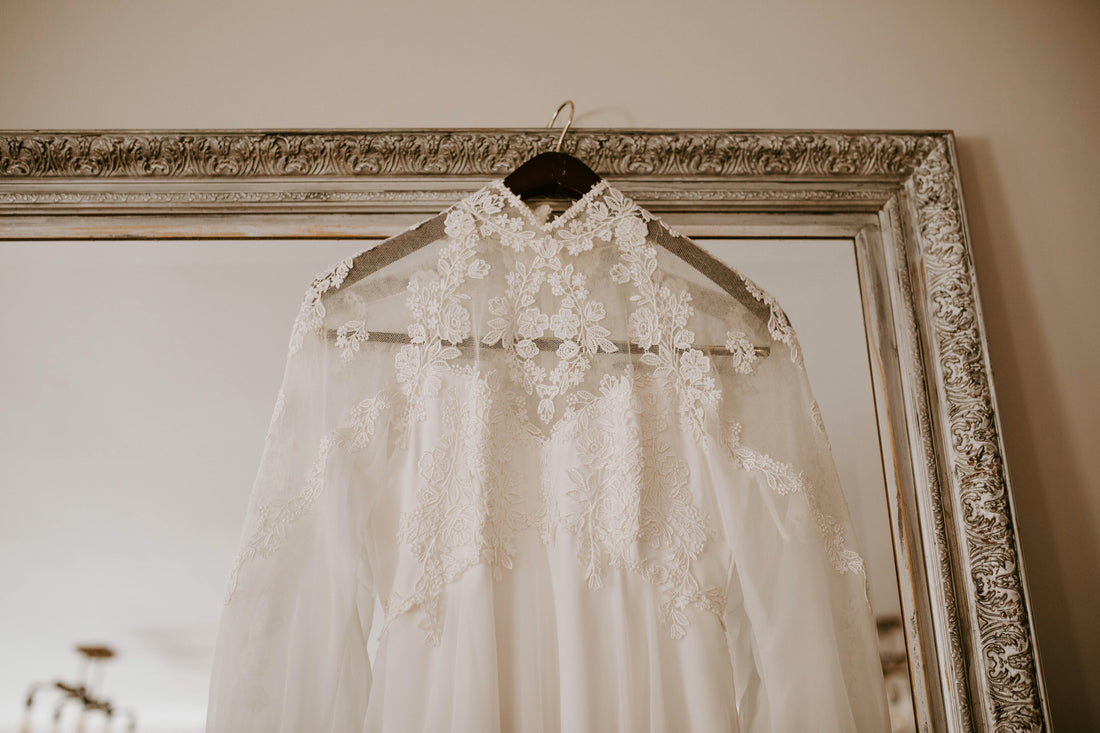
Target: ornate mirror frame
(897, 194)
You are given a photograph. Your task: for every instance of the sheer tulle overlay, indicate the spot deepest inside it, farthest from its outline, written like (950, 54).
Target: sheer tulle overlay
(589, 487)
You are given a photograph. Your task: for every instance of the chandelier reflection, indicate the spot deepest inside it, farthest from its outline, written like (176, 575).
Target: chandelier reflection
(81, 695)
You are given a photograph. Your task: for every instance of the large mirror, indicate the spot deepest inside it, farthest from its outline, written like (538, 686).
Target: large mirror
(145, 342)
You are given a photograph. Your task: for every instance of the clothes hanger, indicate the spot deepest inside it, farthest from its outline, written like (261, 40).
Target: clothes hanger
(557, 173)
(553, 173)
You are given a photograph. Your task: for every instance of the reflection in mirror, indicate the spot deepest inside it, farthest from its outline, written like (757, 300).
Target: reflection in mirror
(138, 387)
(137, 381)
(817, 283)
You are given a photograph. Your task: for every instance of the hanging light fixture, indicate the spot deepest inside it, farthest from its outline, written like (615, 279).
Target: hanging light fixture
(81, 694)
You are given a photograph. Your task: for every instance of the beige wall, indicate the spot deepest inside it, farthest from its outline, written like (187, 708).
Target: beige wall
(1014, 80)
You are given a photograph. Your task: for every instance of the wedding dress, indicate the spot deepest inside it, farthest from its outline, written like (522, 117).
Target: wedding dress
(578, 463)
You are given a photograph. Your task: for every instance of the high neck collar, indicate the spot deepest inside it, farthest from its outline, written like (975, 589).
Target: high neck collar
(575, 211)
(602, 214)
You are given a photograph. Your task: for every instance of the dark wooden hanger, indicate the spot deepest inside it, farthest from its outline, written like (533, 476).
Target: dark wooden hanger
(553, 173)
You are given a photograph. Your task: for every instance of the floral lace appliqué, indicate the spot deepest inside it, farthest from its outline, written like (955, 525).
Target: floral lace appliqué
(468, 508)
(743, 351)
(779, 326)
(658, 326)
(363, 419)
(349, 337)
(311, 314)
(435, 301)
(631, 506)
(273, 519)
(276, 517)
(627, 502)
(517, 322)
(783, 478)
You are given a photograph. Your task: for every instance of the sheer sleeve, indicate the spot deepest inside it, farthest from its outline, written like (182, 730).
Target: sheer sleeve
(799, 626)
(291, 650)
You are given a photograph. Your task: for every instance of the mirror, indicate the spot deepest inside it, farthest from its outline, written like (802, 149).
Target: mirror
(135, 411)
(818, 284)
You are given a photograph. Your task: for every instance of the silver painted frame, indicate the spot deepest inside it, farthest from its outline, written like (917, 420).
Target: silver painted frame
(897, 194)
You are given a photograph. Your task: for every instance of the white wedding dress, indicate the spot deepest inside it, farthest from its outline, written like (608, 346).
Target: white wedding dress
(579, 464)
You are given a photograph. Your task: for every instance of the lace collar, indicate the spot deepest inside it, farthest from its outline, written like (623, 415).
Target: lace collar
(602, 212)
(575, 211)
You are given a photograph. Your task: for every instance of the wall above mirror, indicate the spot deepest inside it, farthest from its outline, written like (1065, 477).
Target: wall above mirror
(895, 195)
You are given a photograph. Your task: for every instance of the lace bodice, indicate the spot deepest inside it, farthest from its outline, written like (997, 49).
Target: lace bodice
(515, 433)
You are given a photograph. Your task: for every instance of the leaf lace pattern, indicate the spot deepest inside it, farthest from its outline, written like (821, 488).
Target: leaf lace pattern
(743, 351)
(784, 479)
(779, 326)
(658, 325)
(274, 518)
(517, 321)
(625, 497)
(311, 314)
(628, 502)
(468, 509)
(440, 320)
(631, 506)
(349, 337)
(819, 423)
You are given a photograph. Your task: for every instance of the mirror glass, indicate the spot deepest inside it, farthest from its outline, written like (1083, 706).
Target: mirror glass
(817, 283)
(138, 381)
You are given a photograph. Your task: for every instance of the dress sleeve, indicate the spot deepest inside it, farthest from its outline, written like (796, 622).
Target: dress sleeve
(291, 651)
(799, 626)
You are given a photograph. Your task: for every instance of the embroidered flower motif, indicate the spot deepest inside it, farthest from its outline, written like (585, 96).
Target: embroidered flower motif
(406, 363)
(620, 273)
(778, 325)
(516, 321)
(527, 349)
(349, 337)
(311, 314)
(454, 323)
(631, 230)
(435, 302)
(531, 323)
(568, 349)
(783, 479)
(658, 326)
(460, 224)
(467, 510)
(478, 269)
(644, 327)
(565, 323)
(694, 364)
(631, 507)
(743, 351)
(364, 417)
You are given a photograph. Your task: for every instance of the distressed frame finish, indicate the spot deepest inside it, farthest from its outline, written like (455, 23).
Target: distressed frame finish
(897, 194)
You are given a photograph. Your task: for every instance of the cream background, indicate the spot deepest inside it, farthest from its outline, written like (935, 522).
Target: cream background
(1014, 80)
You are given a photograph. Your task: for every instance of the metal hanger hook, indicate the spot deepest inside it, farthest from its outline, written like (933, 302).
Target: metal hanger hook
(568, 123)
